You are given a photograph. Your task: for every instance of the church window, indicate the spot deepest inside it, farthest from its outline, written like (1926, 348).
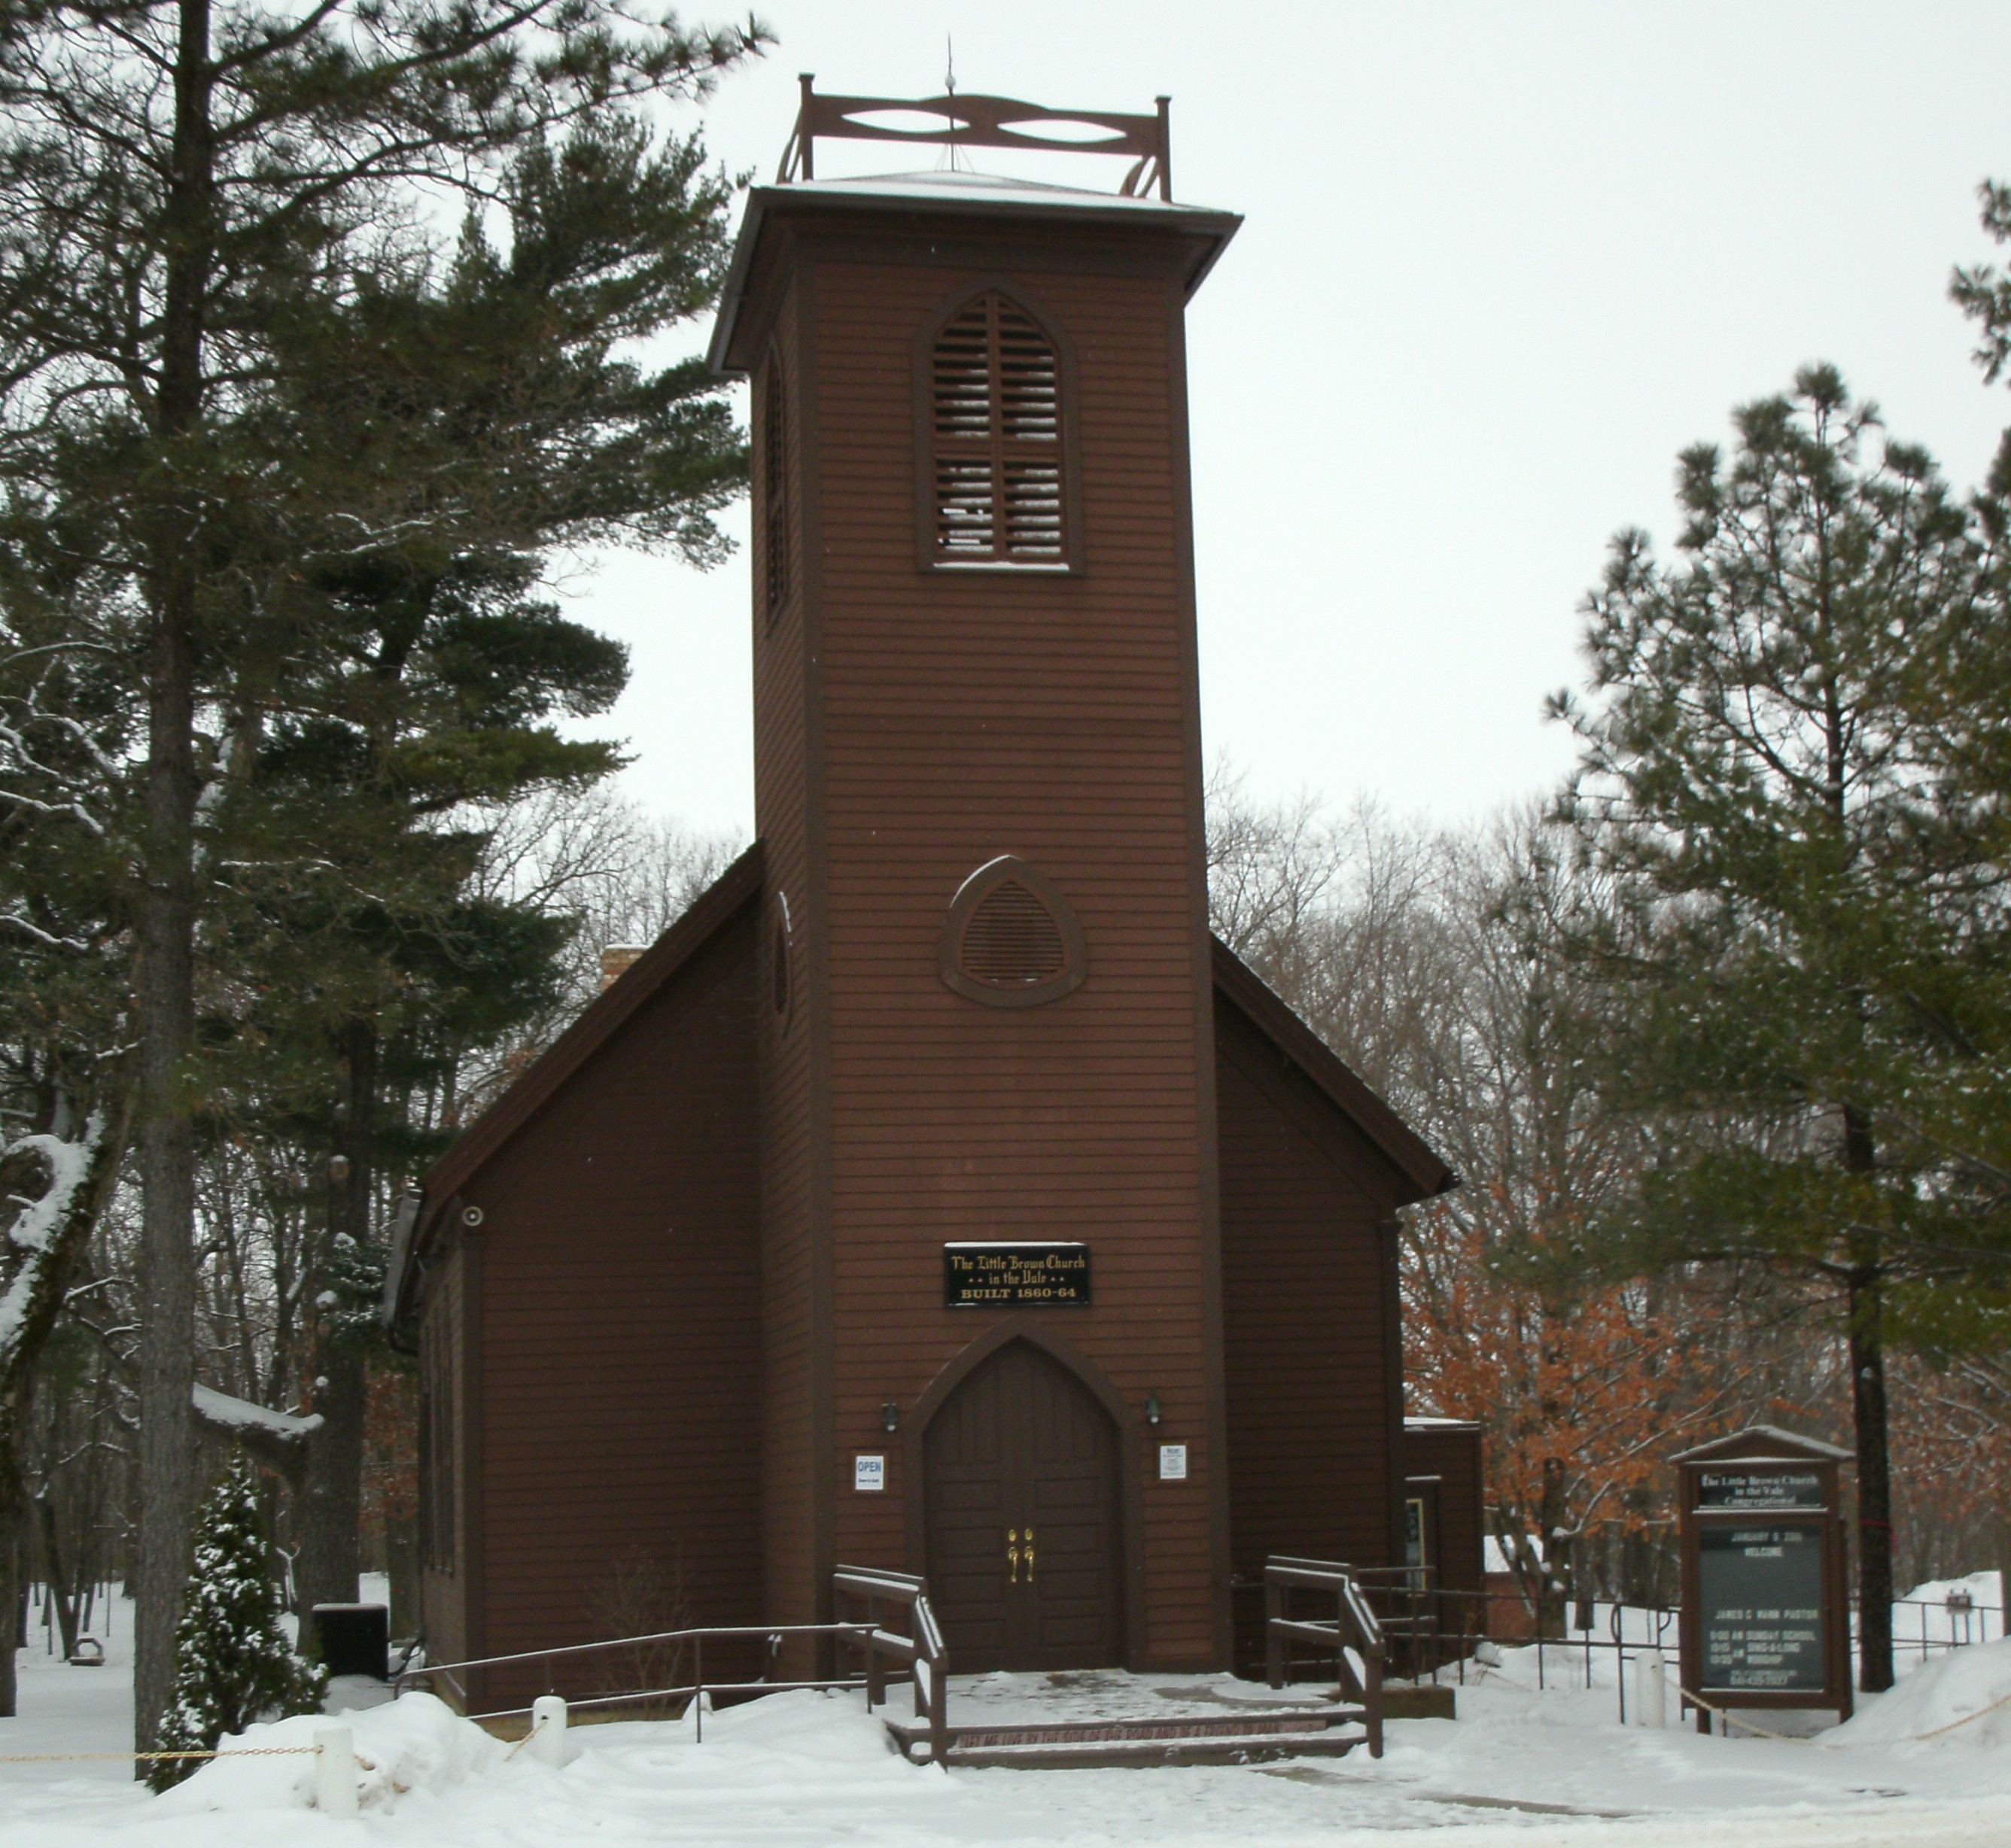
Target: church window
(1011, 939)
(995, 423)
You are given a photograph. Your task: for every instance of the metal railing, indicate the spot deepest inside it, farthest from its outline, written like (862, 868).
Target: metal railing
(1354, 1626)
(1433, 1628)
(921, 1656)
(772, 1635)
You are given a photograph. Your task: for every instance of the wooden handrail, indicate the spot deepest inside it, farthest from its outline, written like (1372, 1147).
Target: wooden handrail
(922, 1650)
(1353, 1626)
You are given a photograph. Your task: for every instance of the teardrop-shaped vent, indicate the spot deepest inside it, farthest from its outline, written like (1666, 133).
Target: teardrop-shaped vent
(1011, 940)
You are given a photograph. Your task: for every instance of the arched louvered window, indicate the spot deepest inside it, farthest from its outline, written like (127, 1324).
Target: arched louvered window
(774, 486)
(996, 421)
(1011, 939)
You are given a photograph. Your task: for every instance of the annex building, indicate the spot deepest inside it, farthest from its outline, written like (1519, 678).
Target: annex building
(936, 1194)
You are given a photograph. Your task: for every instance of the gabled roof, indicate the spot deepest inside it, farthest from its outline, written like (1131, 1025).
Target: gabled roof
(1406, 1150)
(1763, 1443)
(738, 886)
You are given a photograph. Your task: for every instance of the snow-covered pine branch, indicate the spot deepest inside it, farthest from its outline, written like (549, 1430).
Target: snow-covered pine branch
(43, 1229)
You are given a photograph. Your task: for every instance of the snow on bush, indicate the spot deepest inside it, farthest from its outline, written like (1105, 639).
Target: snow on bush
(1963, 1683)
(415, 1743)
(233, 1663)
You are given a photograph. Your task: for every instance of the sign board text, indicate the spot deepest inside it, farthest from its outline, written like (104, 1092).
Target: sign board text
(997, 1276)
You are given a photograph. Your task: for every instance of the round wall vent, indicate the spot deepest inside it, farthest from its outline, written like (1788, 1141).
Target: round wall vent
(1011, 940)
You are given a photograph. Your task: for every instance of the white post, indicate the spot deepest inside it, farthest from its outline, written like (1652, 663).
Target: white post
(335, 1771)
(1651, 1690)
(548, 1730)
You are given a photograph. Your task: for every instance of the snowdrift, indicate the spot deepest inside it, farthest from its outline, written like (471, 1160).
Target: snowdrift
(417, 1743)
(1955, 1686)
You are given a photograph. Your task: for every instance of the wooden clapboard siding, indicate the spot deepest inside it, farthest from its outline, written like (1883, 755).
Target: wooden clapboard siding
(1313, 1468)
(443, 1586)
(961, 716)
(794, 1390)
(621, 1287)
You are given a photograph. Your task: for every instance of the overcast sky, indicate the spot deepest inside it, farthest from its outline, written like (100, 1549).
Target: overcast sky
(1500, 263)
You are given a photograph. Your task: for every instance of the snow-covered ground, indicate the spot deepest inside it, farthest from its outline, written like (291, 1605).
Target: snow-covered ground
(1517, 1765)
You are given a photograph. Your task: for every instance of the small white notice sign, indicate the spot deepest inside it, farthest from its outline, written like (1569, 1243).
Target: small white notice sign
(869, 1473)
(1172, 1463)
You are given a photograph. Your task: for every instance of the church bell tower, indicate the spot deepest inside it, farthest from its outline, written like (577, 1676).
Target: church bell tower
(987, 1037)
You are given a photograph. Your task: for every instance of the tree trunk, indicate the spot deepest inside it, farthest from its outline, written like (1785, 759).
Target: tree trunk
(167, 911)
(1556, 1549)
(1874, 1488)
(35, 1278)
(53, 1576)
(331, 1530)
(13, 1586)
(1865, 1309)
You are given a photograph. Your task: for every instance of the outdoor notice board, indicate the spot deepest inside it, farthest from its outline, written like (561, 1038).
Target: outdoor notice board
(1765, 1616)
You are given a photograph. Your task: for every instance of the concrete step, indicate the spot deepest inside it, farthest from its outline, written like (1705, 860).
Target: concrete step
(1246, 1739)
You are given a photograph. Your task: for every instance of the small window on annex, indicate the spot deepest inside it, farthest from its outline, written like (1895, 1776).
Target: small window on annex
(997, 486)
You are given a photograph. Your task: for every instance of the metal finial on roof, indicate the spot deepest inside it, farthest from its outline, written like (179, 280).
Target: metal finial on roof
(949, 92)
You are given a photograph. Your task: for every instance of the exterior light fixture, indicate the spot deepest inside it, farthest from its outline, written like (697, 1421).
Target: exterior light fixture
(890, 1417)
(1153, 1414)
(338, 1168)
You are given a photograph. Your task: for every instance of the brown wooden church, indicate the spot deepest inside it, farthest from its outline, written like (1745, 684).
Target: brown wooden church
(936, 1195)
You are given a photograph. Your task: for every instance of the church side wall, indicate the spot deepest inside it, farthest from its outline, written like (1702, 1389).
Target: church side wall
(1306, 1333)
(620, 1458)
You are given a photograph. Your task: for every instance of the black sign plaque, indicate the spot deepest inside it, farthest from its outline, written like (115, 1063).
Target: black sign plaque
(1008, 1275)
(1759, 1588)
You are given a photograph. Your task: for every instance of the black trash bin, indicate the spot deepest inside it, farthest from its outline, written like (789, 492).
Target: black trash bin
(354, 1639)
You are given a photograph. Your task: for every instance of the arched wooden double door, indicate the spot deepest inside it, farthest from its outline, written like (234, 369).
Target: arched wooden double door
(1022, 1498)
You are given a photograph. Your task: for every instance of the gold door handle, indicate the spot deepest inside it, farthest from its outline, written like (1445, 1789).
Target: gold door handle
(1013, 1552)
(1030, 1555)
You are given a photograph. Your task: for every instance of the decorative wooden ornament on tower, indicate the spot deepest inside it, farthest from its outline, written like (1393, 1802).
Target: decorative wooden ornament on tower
(1017, 1151)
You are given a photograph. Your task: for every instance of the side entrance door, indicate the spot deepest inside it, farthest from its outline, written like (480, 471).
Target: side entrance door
(1022, 1495)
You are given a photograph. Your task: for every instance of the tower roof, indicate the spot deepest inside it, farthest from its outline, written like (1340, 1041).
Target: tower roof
(1143, 204)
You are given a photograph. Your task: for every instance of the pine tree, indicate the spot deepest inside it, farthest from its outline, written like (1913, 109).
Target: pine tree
(233, 1665)
(1778, 780)
(178, 176)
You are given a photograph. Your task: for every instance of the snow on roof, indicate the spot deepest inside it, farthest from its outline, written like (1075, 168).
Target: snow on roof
(240, 1414)
(965, 187)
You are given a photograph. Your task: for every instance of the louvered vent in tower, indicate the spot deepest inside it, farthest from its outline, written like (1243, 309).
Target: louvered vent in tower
(1011, 940)
(995, 419)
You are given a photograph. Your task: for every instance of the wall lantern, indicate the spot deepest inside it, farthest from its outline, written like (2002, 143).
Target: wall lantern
(890, 1417)
(1153, 1414)
(338, 1168)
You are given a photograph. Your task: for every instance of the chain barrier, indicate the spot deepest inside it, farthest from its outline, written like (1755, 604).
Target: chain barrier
(1732, 1719)
(254, 1751)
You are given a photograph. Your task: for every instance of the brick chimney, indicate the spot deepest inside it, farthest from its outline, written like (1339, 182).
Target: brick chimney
(615, 960)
